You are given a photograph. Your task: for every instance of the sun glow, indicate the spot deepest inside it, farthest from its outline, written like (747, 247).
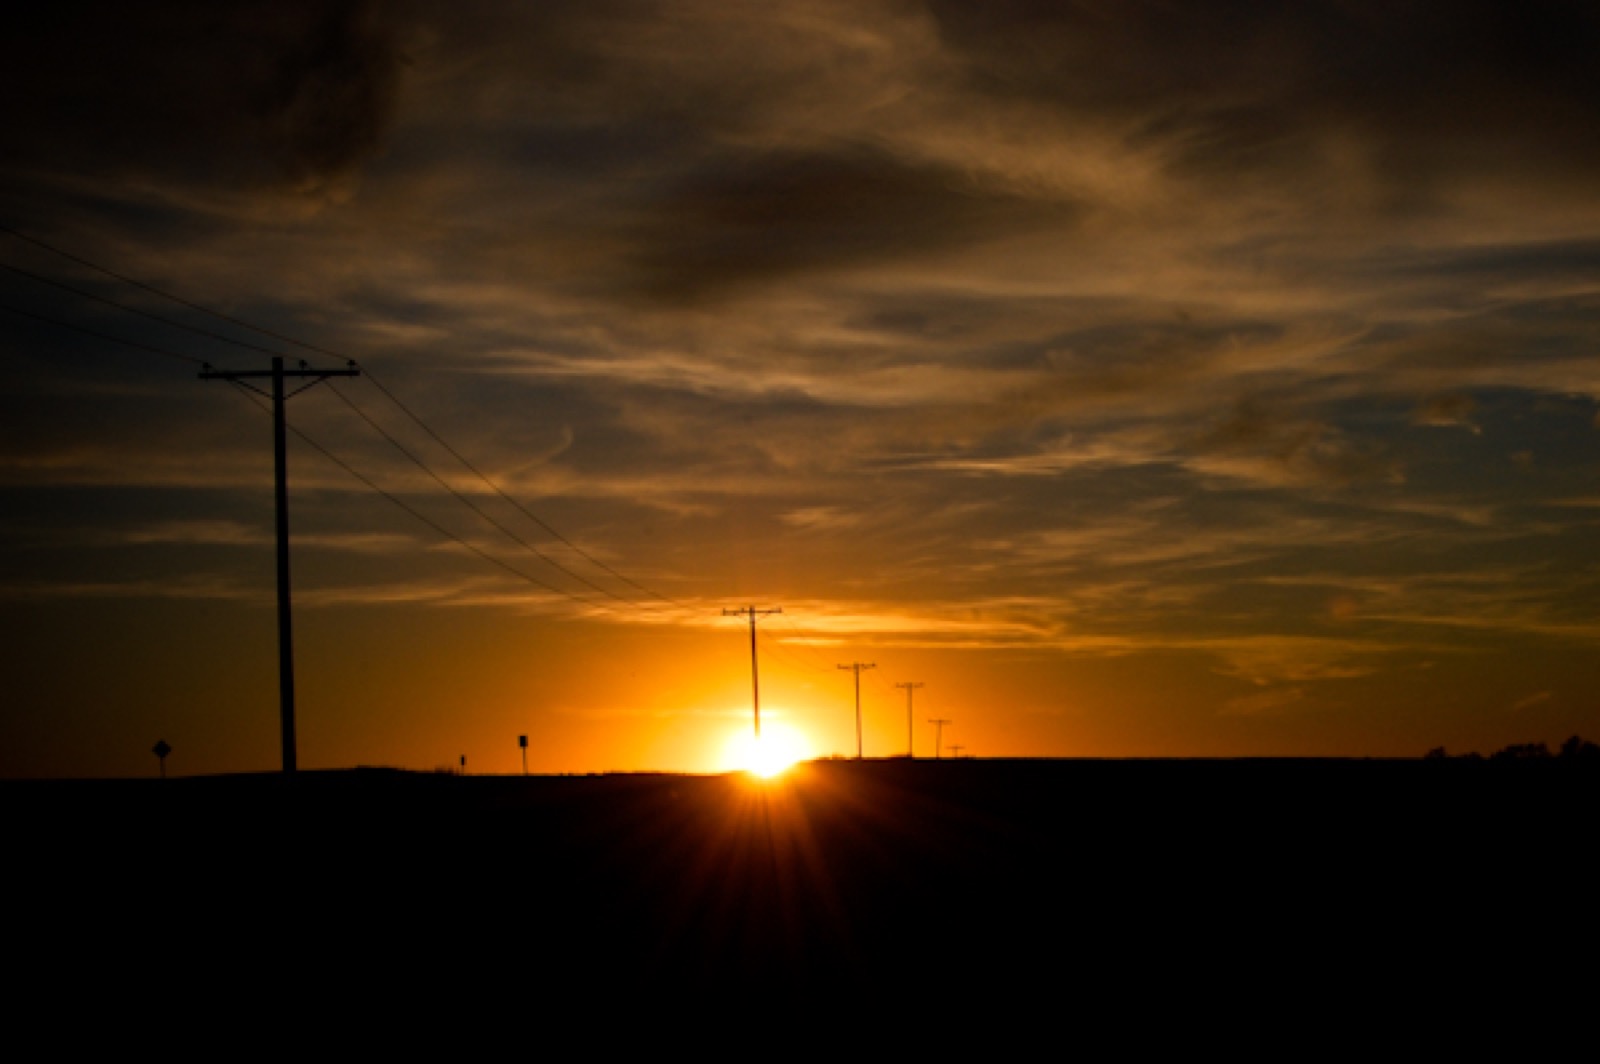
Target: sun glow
(779, 747)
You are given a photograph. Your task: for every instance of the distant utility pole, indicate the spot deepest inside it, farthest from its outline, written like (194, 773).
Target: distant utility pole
(280, 452)
(955, 750)
(755, 682)
(856, 667)
(910, 747)
(522, 741)
(938, 734)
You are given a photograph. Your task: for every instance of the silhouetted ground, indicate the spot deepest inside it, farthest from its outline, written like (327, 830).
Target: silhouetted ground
(1339, 892)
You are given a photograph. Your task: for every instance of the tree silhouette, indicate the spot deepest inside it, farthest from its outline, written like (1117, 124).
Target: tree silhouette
(1575, 747)
(1521, 752)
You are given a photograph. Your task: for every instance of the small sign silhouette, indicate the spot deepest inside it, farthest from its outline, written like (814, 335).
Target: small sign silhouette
(161, 750)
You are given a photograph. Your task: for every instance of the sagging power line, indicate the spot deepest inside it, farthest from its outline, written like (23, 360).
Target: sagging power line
(355, 474)
(353, 369)
(474, 507)
(102, 336)
(367, 374)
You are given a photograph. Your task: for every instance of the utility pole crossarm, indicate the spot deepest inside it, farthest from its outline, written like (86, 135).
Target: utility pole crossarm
(278, 375)
(209, 374)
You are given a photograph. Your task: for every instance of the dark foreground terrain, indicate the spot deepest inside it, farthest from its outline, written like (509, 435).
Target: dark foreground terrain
(1336, 891)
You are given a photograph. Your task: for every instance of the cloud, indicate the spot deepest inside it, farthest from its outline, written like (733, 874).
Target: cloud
(1536, 699)
(822, 517)
(185, 587)
(1448, 410)
(197, 533)
(749, 219)
(148, 464)
(1268, 701)
(1267, 660)
(1236, 90)
(287, 97)
(436, 592)
(1253, 443)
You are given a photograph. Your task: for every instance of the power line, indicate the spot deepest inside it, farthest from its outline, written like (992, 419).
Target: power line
(39, 278)
(102, 336)
(336, 460)
(520, 508)
(154, 290)
(425, 519)
(792, 652)
(783, 650)
(310, 442)
(474, 507)
(321, 373)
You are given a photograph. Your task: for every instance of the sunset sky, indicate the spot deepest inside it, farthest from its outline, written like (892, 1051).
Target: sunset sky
(1140, 379)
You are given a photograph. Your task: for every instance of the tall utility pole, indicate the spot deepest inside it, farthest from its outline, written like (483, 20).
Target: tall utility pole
(857, 666)
(910, 747)
(755, 682)
(280, 452)
(938, 736)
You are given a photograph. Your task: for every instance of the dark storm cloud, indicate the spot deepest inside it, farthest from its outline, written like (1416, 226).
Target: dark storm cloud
(1230, 88)
(756, 218)
(1470, 268)
(240, 96)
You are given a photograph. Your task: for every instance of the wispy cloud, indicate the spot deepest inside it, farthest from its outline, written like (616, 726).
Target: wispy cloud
(1535, 699)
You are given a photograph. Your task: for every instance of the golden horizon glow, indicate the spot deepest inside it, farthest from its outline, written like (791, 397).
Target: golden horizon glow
(779, 747)
(1118, 415)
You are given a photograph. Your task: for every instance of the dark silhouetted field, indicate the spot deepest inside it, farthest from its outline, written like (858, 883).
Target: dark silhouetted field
(1328, 889)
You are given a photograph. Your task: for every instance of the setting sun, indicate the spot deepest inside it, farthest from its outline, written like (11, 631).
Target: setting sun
(779, 747)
